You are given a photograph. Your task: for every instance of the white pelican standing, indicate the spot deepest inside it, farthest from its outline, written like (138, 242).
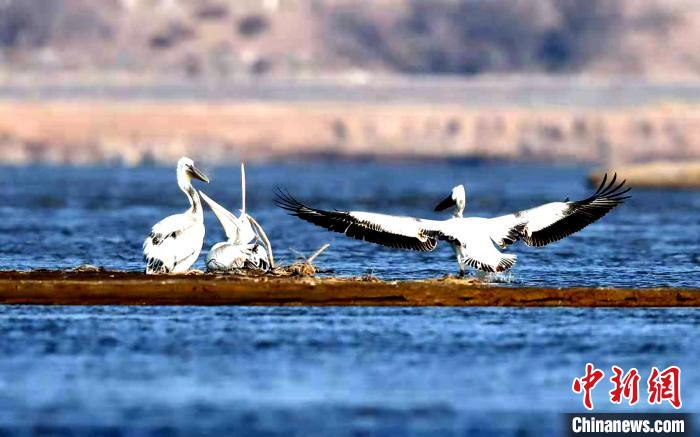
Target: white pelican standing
(247, 246)
(473, 239)
(175, 242)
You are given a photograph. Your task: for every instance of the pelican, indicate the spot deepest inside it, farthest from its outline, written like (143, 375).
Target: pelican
(247, 246)
(175, 242)
(476, 241)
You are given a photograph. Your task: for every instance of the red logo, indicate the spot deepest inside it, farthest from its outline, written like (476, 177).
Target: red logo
(625, 387)
(662, 385)
(665, 386)
(587, 383)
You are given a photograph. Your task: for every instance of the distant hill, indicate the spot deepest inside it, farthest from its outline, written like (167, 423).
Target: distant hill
(224, 39)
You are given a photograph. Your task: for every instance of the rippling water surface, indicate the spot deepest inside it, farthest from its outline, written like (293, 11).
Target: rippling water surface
(56, 218)
(332, 371)
(324, 371)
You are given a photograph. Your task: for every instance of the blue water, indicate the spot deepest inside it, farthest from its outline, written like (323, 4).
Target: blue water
(64, 217)
(325, 371)
(333, 371)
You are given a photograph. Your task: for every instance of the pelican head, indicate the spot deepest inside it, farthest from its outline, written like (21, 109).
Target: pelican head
(457, 198)
(186, 171)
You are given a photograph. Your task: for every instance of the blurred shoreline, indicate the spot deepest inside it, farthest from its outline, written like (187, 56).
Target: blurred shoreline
(358, 86)
(565, 119)
(145, 81)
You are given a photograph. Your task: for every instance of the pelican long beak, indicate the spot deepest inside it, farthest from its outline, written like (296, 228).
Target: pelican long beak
(197, 174)
(446, 203)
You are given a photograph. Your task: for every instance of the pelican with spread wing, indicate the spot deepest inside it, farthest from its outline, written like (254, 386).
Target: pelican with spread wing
(476, 241)
(247, 246)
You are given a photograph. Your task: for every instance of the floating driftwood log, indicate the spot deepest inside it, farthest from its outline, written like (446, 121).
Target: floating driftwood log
(99, 287)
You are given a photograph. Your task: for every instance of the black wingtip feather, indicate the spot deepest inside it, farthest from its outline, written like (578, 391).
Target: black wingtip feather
(283, 199)
(583, 212)
(602, 184)
(344, 223)
(609, 191)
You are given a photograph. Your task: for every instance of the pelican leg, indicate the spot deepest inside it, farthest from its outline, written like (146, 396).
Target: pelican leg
(462, 266)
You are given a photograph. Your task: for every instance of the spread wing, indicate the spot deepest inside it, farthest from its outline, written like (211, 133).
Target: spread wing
(392, 231)
(238, 230)
(260, 232)
(551, 222)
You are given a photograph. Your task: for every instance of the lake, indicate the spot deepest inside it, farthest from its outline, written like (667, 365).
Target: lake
(64, 217)
(333, 371)
(325, 371)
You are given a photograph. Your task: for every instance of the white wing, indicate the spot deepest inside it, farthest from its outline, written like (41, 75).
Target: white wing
(393, 231)
(551, 222)
(173, 244)
(260, 232)
(238, 230)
